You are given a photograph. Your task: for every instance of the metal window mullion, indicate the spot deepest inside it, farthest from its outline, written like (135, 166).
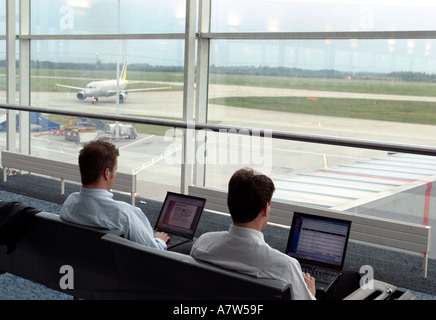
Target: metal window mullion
(202, 87)
(24, 77)
(11, 75)
(148, 36)
(358, 35)
(188, 96)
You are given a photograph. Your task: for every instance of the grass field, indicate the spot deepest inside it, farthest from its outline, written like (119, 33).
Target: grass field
(398, 111)
(367, 85)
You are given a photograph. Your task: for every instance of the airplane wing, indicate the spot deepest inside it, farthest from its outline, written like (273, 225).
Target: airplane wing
(147, 89)
(71, 87)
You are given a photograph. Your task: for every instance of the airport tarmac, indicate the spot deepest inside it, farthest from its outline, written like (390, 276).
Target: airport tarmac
(169, 104)
(287, 157)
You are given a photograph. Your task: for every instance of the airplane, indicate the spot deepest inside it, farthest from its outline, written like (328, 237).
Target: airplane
(107, 88)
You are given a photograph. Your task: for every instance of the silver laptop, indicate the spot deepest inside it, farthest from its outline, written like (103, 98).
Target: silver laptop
(319, 244)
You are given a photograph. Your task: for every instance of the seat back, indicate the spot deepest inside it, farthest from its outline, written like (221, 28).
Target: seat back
(148, 273)
(52, 243)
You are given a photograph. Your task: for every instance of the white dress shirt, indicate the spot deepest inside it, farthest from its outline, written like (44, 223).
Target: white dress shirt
(96, 208)
(244, 250)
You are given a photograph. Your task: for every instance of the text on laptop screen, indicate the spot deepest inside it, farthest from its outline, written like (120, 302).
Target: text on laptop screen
(319, 240)
(180, 213)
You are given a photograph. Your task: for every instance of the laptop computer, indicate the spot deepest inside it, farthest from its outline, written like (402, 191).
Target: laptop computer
(179, 217)
(319, 244)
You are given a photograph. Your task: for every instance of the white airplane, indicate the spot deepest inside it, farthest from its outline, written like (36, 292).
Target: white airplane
(107, 88)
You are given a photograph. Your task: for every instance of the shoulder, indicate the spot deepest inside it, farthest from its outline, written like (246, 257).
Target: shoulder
(128, 209)
(212, 235)
(208, 238)
(279, 259)
(72, 196)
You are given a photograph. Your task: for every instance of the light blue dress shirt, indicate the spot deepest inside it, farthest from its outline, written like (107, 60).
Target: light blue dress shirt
(97, 208)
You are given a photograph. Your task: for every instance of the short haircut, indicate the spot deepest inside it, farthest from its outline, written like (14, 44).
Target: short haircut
(248, 194)
(94, 158)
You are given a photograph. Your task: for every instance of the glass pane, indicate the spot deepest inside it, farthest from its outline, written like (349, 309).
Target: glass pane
(2, 71)
(2, 53)
(2, 17)
(3, 112)
(81, 75)
(321, 15)
(101, 17)
(366, 89)
(142, 148)
(383, 184)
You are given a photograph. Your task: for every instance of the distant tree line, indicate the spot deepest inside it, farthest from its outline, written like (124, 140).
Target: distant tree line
(103, 66)
(241, 70)
(278, 71)
(413, 76)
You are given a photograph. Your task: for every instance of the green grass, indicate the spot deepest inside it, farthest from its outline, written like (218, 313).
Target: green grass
(398, 111)
(368, 85)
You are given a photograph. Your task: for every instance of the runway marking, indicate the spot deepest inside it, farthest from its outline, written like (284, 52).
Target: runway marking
(137, 141)
(155, 160)
(367, 176)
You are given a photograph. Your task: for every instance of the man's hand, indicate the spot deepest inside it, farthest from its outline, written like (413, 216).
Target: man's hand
(310, 282)
(162, 235)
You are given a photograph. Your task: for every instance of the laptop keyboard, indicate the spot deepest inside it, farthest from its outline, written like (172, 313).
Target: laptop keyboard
(320, 275)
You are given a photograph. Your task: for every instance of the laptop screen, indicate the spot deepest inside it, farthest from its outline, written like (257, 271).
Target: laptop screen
(318, 240)
(180, 214)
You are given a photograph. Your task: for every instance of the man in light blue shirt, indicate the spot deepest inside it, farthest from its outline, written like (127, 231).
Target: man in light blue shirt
(94, 206)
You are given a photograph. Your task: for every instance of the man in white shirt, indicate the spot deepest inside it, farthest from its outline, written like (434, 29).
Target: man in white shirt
(243, 247)
(93, 204)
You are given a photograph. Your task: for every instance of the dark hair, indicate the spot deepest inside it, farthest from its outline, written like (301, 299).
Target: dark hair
(94, 158)
(248, 193)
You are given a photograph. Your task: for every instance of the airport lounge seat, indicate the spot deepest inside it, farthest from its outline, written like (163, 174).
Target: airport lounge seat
(101, 264)
(148, 273)
(51, 243)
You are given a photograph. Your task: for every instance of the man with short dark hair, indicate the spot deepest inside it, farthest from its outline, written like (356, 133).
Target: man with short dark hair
(243, 247)
(93, 204)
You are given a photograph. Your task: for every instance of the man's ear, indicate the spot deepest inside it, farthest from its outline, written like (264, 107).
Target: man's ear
(265, 209)
(106, 174)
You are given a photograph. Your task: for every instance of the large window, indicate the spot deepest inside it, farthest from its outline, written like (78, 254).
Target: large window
(317, 94)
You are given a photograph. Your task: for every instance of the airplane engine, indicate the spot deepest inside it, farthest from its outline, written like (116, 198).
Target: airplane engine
(81, 95)
(123, 96)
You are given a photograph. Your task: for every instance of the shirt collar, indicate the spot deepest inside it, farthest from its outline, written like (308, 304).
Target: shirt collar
(246, 232)
(95, 192)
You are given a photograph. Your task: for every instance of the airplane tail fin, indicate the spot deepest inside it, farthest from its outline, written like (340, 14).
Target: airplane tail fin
(123, 75)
